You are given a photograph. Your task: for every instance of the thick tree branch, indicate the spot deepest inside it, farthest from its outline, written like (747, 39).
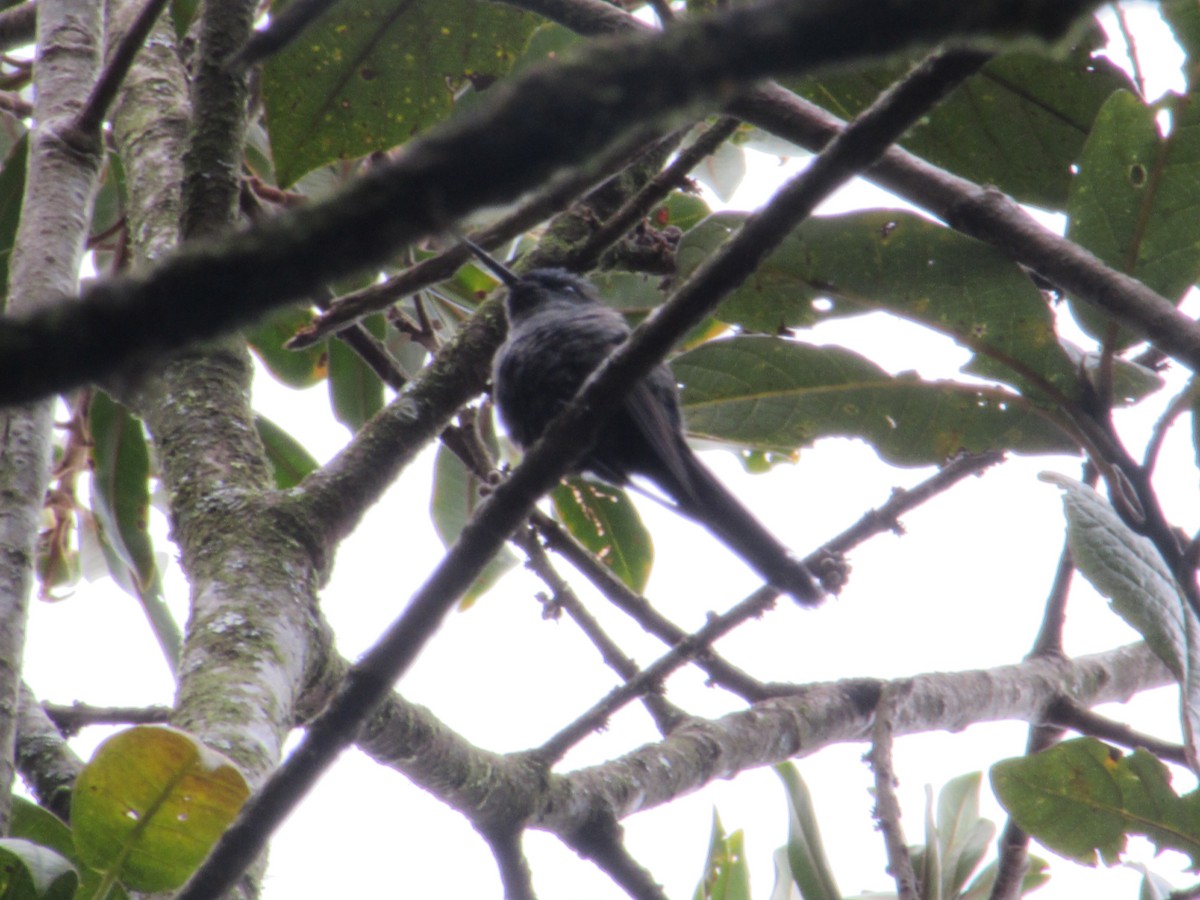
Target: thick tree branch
(46, 762)
(546, 119)
(495, 791)
(825, 714)
(60, 183)
(563, 599)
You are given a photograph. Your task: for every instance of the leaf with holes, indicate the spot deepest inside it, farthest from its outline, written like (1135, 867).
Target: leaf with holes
(1135, 199)
(604, 520)
(1018, 124)
(778, 395)
(900, 263)
(151, 803)
(1082, 798)
(369, 74)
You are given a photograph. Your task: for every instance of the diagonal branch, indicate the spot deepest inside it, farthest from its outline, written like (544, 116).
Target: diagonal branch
(564, 441)
(548, 118)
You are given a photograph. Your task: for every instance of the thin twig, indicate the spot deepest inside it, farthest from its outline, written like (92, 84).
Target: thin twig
(887, 804)
(700, 642)
(561, 190)
(585, 256)
(71, 719)
(1068, 714)
(1139, 77)
(720, 671)
(665, 714)
(1180, 404)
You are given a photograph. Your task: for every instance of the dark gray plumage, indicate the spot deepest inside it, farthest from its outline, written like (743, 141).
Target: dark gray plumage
(559, 332)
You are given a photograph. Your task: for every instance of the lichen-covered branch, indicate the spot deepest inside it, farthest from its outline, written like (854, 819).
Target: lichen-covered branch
(61, 178)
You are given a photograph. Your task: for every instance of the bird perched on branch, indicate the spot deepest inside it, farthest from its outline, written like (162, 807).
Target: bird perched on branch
(559, 332)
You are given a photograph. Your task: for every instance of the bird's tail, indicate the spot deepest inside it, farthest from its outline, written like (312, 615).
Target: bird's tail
(705, 499)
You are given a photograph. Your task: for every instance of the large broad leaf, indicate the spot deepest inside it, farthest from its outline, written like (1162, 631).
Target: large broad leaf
(604, 520)
(1082, 798)
(1019, 124)
(150, 805)
(778, 395)
(1136, 197)
(370, 73)
(1126, 568)
(455, 497)
(903, 264)
(908, 266)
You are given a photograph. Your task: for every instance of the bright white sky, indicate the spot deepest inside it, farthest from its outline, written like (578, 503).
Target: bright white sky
(964, 589)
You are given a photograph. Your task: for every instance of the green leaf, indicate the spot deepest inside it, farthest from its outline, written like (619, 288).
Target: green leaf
(369, 74)
(1135, 198)
(777, 395)
(182, 13)
(1126, 568)
(12, 191)
(1184, 18)
(1082, 798)
(29, 871)
(963, 836)
(726, 872)
(295, 368)
(908, 266)
(150, 805)
(355, 391)
(810, 869)
(290, 462)
(455, 497)
(1019, 124)
(682, 210)
(121, 488)
(604, 520)
(31, 822)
